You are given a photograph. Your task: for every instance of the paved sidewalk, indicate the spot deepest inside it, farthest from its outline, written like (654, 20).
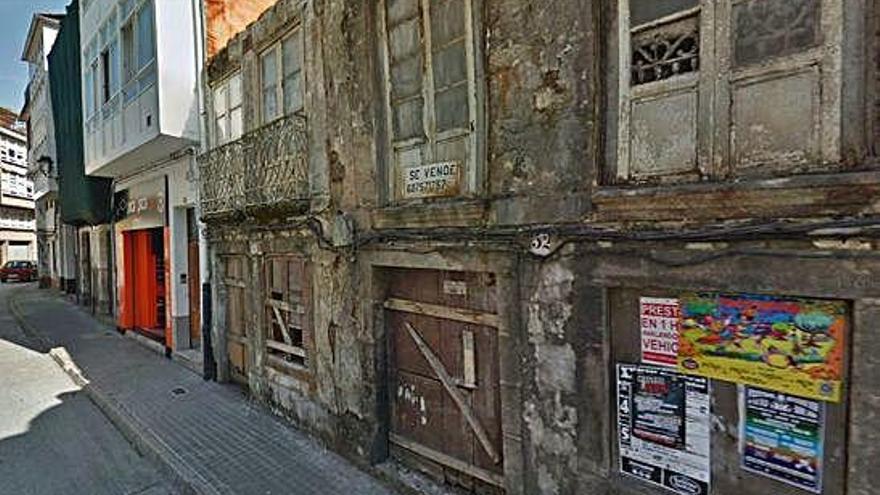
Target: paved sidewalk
(209, 436)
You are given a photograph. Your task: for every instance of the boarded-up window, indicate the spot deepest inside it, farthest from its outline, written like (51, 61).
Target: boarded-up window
(288, 313)
(431, 92)
(709, 89)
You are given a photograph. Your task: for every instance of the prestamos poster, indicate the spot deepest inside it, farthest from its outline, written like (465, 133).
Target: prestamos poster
(782, 437)
(790, 345)
(663, 429)
(658, 322)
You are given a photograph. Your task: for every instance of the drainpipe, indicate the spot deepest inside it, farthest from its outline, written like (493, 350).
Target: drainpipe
(208, 360)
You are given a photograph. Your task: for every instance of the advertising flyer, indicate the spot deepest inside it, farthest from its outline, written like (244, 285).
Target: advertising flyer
(781, 437)
(663, 426)
(790, 345)
(658, 321)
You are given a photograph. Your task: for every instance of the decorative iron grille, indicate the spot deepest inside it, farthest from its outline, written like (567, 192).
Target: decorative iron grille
(266, 168)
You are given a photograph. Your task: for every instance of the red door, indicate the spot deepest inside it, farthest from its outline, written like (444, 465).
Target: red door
(143, 290)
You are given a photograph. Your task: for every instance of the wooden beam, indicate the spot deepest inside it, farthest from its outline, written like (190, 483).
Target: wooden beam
(447, 460)
(231, 282)
(283, 324)
(289, 349)
(445, 312)
(452, 390)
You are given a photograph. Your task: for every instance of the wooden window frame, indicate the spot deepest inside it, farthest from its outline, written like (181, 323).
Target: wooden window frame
(276, 50)
(714, 82)
(224, 87)
(472, 178)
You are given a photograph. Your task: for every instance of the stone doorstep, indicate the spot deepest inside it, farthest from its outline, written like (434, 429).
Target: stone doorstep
(146, 342)
(190, 359)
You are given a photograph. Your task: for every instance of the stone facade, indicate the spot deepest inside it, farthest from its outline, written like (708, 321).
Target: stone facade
(570, 237)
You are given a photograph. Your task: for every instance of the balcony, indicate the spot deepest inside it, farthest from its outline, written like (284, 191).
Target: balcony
(266, 171)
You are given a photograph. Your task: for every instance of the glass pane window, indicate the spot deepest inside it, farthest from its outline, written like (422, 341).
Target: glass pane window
(235, 91)
(292, 68)
(114, 67)
(221, 94)
(128, 62)
(269, 76)
(145, 35)
(235, 124)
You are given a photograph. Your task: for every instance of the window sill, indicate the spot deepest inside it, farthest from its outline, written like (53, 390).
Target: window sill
(440, 212)
(794, 196)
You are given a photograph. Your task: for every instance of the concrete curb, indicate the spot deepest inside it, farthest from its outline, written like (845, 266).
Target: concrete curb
(184, 478)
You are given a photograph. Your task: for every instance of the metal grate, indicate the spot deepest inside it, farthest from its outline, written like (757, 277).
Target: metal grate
(265, 168)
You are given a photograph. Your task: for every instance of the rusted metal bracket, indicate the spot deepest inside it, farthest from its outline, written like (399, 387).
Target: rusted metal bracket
(449, 384)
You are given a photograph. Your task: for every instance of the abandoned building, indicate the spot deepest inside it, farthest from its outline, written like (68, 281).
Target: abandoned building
(440, 232)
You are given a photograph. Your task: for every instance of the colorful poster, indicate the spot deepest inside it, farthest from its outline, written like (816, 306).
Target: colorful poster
(788, 345)
(658, 321)
(663, 427)
(781, 437)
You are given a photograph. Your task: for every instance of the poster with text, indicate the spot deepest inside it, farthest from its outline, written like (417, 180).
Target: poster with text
(658, 322)
(782, 437)
(790, 345)
(663, 427)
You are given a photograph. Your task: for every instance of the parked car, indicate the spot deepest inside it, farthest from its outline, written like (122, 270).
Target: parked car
(24, 271)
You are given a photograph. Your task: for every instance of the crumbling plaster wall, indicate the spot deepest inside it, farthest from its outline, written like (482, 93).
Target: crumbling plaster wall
(564, 384)
(337, 402)
(542, 111)
(568, 317)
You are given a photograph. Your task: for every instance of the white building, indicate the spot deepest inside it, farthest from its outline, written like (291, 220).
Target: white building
(56, 242)
(18, 238)
(140, 66)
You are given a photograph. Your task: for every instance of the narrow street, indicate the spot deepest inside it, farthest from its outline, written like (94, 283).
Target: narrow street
(53, 439)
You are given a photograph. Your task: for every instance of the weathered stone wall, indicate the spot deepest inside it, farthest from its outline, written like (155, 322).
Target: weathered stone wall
(569, 315)
(542, 75)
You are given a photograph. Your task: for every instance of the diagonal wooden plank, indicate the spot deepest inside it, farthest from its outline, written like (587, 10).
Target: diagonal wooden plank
(449, 384)
(283, 324)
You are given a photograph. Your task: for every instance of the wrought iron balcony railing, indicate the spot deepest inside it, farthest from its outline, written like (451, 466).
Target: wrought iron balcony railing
(266, 169)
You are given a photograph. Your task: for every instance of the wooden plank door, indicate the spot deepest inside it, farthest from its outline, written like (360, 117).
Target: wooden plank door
(195, 294)
(445, 400)
(194, 281)
(237, 344)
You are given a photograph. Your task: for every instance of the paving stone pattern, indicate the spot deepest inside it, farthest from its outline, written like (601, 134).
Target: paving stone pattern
(233, 445)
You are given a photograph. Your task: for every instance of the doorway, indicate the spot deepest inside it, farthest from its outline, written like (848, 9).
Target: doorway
(143, 291)
(445, 408)
(194, 282)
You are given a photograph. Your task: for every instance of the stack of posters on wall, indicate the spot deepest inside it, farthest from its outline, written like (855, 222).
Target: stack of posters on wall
(664, 428)
(786, 353)
(790, 345)
(781, 437)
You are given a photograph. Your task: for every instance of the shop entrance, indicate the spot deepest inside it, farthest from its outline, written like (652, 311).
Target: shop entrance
(143, 293)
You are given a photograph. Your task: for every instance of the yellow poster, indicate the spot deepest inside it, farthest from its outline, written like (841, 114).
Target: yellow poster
(790, 345)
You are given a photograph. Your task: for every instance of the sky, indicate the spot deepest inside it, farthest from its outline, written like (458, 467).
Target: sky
(15, 20)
